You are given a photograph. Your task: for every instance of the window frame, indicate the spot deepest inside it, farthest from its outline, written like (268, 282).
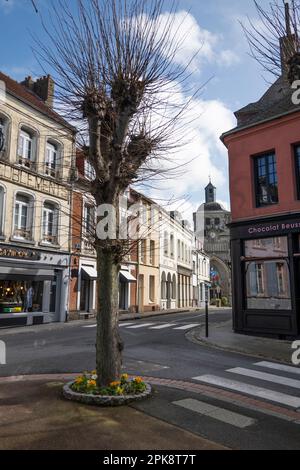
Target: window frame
(257, 185)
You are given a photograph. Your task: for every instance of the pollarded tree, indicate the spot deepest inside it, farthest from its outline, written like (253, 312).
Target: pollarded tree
(113, 64)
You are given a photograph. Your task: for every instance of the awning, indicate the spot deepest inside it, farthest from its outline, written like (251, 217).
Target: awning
(88, 272)
(19, 274)
(125, 276)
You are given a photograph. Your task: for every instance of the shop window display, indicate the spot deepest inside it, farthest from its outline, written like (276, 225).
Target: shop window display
(21, 296)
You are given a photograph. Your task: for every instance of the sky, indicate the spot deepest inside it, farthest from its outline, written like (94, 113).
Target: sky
(231, 79)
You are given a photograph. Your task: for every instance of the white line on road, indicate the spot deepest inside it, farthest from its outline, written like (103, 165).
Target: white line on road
(143, 325)
(90, 326)
(259, 392)
(186, 327)
(160, 327)
(215, 412)
(278, 379)
(126, 324)
(282, 367)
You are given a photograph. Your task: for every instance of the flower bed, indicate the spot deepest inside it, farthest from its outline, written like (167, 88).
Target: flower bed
(85, 389)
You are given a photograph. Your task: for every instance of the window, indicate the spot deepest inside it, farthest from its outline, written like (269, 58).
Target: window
(166, 244)
(207, 221)
(3, 136)
(89, 219)
(174, 287)
(23, 217)
(26, 148)
(50, 223)
(152, 288)
(152, 252)
(51, 160)
(266, 188)
(1, 209)
(267, 274)
(143, 251)
(172, 246)
(178, 249)
(217, 221)
(89, 170)
(163, 286)
(297, 168)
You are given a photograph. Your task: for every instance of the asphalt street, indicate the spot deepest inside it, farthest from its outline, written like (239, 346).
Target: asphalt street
(158, 347)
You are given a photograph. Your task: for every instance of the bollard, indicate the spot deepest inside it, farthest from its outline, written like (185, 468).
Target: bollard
(206, 318)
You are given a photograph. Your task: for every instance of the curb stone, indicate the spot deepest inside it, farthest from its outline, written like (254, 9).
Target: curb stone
(100, 400)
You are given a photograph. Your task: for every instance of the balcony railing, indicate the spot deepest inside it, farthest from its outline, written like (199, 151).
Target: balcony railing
(27, 163)
(21, 233)
(51, 239)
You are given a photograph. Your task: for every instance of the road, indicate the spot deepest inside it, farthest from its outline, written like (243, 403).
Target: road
(158, 347)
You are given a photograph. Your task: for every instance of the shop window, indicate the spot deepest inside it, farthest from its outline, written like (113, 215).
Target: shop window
(23, 217)
(266, 185)
(267, 274)
(152, 288)
(21, 296)
(163, 287)
(53, 152)
(174, 287)
(27, 148)
(50, 223)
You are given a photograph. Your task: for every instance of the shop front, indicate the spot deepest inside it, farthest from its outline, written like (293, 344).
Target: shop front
(33, 286)
(266, 276)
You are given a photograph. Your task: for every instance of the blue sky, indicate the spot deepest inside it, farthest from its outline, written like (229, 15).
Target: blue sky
(236, 78)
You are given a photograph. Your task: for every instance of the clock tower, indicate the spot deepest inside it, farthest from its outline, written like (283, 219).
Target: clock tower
(210, 224)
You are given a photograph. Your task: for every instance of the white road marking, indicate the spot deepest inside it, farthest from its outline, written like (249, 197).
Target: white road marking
(140, 325)
(281, 367)
(278, 379)
(277, 397)
(215, 412)
(186, 327)
(89, 326)
(161, 327)
(126, 324)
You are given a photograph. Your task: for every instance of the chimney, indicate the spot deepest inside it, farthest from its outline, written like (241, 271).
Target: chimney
(28, 82)
(43, 87)
(288, 43)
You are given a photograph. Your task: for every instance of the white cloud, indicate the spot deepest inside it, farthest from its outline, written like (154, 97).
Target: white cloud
(202, 155)
(197, 41)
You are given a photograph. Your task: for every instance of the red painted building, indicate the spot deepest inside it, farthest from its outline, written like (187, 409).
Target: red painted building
(264, 169)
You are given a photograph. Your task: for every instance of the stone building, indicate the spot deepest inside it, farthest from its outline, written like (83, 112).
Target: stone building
(210, 225)
(36, 152)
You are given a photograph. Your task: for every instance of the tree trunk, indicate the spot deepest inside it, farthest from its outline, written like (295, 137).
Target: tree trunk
(108, 342)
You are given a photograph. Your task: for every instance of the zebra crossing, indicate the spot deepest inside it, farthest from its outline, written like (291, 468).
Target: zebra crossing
(152, 326)
(277, 383)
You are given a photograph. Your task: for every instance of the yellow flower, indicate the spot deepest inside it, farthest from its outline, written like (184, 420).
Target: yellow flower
(124, 376)
(91, 383)
(138, 380)
(114, 384)
(119, 390)
(93, 372)
(79, 380)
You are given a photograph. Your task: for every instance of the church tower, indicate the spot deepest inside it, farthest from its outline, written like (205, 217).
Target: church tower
(210, 193)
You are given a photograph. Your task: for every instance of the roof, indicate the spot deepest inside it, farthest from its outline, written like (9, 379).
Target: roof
(27, 96)
(211, 206)
(276, 102)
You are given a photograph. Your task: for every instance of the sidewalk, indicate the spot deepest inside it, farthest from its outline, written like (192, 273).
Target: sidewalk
(35, 416)
(221, 336)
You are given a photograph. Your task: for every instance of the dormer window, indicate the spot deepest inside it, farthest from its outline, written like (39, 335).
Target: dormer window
(26, 148)
(52, 158)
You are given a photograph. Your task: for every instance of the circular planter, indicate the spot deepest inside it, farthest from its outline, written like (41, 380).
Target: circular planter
(104, 400)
